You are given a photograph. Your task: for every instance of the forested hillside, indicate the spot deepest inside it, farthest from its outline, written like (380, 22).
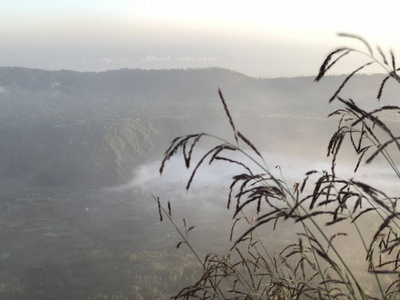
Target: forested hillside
(70, 128)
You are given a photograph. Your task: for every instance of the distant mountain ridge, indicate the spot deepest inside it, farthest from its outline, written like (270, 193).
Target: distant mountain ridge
(176, 84)
(114, 81)
(65, 90)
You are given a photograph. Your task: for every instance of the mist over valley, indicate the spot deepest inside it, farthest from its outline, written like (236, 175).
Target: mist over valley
(80, 154)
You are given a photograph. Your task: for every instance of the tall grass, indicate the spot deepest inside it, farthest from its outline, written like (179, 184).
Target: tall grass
(322, 207)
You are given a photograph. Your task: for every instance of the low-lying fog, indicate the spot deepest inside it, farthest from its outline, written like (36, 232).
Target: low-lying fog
(71, 243)
(219, 173)
(206, 200)
(204, 205)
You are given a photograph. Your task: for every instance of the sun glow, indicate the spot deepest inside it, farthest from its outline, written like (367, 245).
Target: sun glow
(259, 38)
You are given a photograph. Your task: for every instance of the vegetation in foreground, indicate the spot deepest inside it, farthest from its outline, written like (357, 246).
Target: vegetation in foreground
(330, 214)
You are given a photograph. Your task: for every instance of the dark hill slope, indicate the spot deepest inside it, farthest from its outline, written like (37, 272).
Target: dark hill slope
(39, 91)
(65, 127)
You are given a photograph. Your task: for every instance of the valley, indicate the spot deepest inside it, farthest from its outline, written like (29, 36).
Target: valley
(77, 219)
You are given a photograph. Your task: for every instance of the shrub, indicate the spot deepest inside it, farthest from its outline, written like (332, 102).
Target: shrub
(323, 207)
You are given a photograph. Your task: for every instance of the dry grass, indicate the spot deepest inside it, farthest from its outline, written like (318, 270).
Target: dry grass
(313, 266)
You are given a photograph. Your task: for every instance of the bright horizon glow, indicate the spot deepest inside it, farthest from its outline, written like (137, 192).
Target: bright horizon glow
(258, 38)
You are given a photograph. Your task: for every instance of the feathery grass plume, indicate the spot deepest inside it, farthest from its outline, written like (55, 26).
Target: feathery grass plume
(347, 79)
(216, 149)
(383, 56)
(353, 36)
(169, 209)
(363, 212)
(314, 266)
(189, 156)
(228, 114)
(335, 236)
(159, 209)
(362, 152)
(381, 87)
(243, 138)
(357, 146)
(381, 149)
(257, 194)
(358, 115)
(362, 115)
(233, 162)
(326, 66)
(338, 144)
(303, 185)
(180, 142)
(393, 64)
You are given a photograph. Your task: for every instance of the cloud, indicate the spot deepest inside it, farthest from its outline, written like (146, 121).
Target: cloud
(186, 58)
(112, 60)
(2, 90)
(155, 58)
(152, 58)
(208, 58)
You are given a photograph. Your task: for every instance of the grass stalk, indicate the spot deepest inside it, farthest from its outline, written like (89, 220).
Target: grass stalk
(328, 190)
(185, 239)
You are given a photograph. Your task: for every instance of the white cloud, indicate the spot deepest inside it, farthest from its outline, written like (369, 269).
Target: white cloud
(150, 58)
(186, 58)
(2, 90)
(155, 58)
(112, 60)
(208, 58)
(106, 60)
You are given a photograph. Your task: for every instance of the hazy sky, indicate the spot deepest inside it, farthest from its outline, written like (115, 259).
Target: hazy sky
(259, 38)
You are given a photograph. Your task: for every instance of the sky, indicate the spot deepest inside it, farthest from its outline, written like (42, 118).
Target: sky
(266, 39)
